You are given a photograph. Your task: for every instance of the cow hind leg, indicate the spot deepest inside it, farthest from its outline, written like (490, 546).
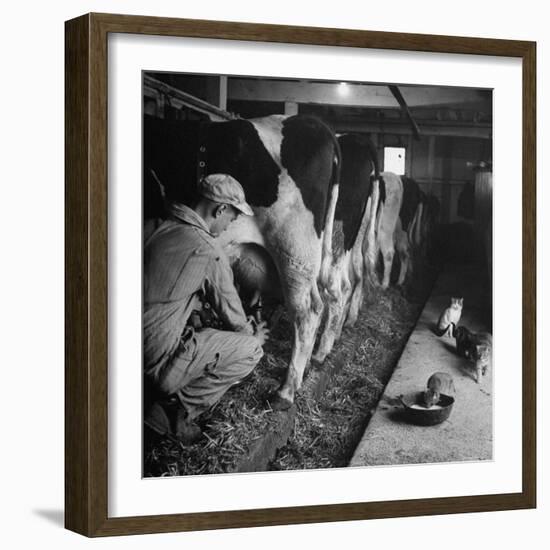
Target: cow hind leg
(370, 250)
(404, 259)
(328, 335)
(355, 303)
(388, 252)
(306, 308)
(355, 300)
(346, 298)
(403, 269)
(336, 314)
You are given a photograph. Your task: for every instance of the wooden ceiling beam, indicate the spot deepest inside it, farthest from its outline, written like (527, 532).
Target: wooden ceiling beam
(479, 132)
(396, 92)
(349, 94)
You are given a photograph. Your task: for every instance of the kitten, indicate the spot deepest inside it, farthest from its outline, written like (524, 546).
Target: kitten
(438, 383)
(475, 346)
(450, 316)
(463, 339)
(480, 353)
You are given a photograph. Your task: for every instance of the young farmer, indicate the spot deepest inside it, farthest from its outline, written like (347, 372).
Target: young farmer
(183, 266)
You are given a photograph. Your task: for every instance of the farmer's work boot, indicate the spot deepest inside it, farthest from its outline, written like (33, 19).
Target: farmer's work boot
(157, 419)
(187, 431)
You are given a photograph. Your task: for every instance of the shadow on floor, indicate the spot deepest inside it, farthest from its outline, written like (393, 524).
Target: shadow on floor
(57, 517)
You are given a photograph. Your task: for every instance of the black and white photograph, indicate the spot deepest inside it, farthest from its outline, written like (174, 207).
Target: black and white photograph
(317, 274)
(259, 283)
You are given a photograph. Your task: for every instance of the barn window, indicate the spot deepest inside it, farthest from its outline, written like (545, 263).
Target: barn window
(394, 160)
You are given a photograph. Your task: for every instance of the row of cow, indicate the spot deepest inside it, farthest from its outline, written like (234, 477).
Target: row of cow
(323, 215)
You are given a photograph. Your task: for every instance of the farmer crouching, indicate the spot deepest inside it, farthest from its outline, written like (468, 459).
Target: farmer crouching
(184, 267)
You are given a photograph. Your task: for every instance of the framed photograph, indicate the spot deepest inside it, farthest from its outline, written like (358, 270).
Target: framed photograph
(300, 275)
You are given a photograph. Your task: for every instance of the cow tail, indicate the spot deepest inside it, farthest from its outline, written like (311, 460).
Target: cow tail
(413, 230)
(326, 254)
(374, 156)
(419, 224)
(370, 252)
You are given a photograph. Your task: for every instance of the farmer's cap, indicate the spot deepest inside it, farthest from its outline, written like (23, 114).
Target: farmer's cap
(224, 189)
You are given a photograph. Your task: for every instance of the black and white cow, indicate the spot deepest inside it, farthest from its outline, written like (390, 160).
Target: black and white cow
(421, 226)
(289, 169)
(408, 232)
(412, 198)
(354, 211)
(389, 233)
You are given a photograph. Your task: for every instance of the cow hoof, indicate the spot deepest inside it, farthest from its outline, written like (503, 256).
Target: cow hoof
(319, 358)
(278, 403)
(350, 322)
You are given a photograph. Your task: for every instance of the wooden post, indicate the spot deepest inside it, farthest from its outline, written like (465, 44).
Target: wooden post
(223, 93)
(374, 136)
(431, 161)
(409, 157)
(483, 218)
(446, 177)
(216, 91)
(291, 108)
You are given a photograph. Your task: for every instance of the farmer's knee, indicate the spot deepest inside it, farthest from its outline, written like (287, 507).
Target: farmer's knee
(253, 350)
(247, 351)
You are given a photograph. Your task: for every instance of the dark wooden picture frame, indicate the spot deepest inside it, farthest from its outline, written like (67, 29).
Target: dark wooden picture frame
(86, 283)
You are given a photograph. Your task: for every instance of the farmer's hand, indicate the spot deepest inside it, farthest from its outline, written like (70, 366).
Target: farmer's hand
(261, 332)
(250, 327)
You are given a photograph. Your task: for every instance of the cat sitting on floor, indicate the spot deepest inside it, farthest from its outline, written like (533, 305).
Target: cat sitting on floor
(476, 347)
(450, 316)
(481, 356)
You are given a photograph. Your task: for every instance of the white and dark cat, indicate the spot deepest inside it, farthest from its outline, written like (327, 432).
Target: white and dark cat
(475, 346)
(450, 316)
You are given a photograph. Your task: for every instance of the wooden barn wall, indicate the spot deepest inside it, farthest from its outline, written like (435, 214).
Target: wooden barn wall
(445, 172)
(438, 163)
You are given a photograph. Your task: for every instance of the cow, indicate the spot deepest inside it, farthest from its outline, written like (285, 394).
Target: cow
(289, 169)
(408, 233)
(344, 290)
(411, 228)
(421, 226)
(389, 233)
(404, 253)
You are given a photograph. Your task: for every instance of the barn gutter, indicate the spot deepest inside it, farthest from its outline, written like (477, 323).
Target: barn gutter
(317, 380)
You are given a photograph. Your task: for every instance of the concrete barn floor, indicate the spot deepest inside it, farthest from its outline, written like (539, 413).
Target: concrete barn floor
(467, 434)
